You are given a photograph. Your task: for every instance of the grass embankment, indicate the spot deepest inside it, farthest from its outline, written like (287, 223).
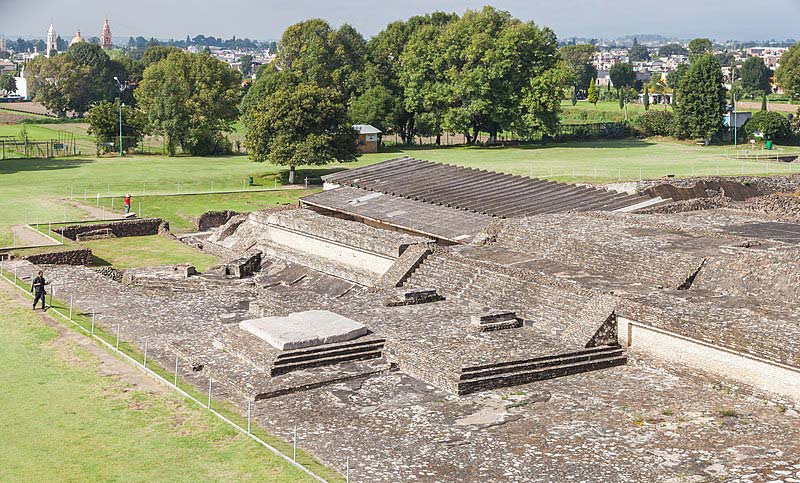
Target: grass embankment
(179, 211)
(64, 421)
(144, 251)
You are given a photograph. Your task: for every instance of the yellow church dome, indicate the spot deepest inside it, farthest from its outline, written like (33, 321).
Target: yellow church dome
(76, 39)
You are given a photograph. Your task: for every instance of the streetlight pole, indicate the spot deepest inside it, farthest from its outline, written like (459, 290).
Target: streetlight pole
(119, 88)
(733, 112)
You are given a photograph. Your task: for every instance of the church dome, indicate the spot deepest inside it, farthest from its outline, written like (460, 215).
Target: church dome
(76, 39)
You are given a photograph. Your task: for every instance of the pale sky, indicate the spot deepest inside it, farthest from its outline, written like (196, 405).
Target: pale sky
(266, 19)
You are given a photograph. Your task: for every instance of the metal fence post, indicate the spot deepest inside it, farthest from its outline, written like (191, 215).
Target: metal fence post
(294, 445)
(347, 470)
(175, 382)
(116, 345)
(209, 393)
(249, 413)
(70, 307)
(92, 322)
(144, 364)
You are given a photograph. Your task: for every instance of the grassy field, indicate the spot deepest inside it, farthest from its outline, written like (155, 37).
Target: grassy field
(32, 189)
(143, 251)
(179, 210)
(62, 420)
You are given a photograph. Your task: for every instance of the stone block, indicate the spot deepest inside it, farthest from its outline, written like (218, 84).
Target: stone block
(491, 319)
(304, 329)
(412, 297)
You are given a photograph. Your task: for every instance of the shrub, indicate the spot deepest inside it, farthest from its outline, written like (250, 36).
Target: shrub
(656, 123)
(774, 125)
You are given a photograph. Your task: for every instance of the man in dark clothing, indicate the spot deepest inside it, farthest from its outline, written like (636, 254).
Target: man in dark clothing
(38, 289)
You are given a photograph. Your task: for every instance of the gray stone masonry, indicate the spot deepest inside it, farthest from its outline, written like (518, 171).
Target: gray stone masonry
(79, 256)
(412, 296)
(120, 229)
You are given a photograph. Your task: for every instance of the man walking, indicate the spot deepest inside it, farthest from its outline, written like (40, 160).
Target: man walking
(38, 289)
(127, 204)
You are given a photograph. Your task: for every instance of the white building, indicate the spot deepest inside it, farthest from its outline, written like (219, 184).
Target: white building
(52, 44)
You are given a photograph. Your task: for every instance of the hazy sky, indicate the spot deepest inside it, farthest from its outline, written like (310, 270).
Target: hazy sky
(266, 19)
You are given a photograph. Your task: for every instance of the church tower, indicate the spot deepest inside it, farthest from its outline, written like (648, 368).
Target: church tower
(51, 41)
(105, 36)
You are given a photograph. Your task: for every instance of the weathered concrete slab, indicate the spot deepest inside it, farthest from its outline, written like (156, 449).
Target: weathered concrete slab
(304, 329)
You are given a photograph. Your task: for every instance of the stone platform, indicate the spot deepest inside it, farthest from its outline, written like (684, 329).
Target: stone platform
(304, 329)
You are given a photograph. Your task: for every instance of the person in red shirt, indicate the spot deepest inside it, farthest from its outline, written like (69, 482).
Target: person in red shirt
(127, 204)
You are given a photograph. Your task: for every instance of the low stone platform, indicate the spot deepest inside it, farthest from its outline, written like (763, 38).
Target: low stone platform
(304, 329)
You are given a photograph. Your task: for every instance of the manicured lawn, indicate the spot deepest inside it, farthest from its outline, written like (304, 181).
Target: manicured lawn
(142, 251)
(61, 420)
(179, 210)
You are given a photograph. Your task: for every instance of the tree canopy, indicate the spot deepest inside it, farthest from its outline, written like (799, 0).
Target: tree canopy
(788, 74)
(755, 76)
(700, 47)
(701, 99)
(191, 99)
(578, 58)
(672, 49)
(638, 52)
(103, 118)
(303, 124)
(622, 75)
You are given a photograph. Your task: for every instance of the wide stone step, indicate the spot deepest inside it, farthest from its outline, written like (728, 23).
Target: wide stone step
(532, 375)
(278, 369)
(317, 353)
(470, 373)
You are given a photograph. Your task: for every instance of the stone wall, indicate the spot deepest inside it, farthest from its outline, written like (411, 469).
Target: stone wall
(119, 229)
(80, 256)
(763, 184)
(213, 219)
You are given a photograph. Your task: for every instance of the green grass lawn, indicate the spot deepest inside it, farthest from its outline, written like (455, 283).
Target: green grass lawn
(179, 210)
(143, 251)
(62, 420)
(32, 189)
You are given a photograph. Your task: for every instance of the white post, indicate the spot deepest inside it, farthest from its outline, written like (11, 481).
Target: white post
(212, 185)
(175, 382)
(92, 322)
(70, 307)
(249, 414)
(116, 346)
(209, 393)
(145, 354)
(347, 470)
(294, 445)
(140, 215)
(179, 186)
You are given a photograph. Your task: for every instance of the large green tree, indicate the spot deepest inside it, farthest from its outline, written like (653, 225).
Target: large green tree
(8, 83)
(701, 99)
(60, 84)
(192, 99)
(622, 75)
(671, 49)
(304, 124)
(755, 77)
(492, 62)
(104, 124)
(788, 74)
(578, 58)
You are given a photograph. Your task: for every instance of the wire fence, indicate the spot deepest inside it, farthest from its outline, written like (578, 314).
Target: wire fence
(88, 323)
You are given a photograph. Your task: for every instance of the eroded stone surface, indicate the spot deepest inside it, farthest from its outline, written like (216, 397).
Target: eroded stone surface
(304, 329)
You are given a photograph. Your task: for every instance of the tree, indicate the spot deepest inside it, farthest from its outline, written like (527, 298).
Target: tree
(622, 75)
(191, 99)
(103, 119)
(592, 96)
(671, 49)
(60, 84)
(303, 124)
(774, 125)
(788, 74)
(578, 58)
(763, 101)
(376, 106)
(674, 77)
(8, 83)
(755, 77)
(638, 52)
(701, 102)
(700, 47)
(646, 97)
(492, 63)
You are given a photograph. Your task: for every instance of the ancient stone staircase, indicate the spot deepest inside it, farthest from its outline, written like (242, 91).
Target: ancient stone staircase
(359, 350)
(479, 378)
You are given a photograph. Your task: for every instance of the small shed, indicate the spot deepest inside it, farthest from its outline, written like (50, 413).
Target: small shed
(368, 138)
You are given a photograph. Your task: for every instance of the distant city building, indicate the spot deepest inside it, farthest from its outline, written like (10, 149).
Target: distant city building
(77, 39)
(52, 44)
(105, 36)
